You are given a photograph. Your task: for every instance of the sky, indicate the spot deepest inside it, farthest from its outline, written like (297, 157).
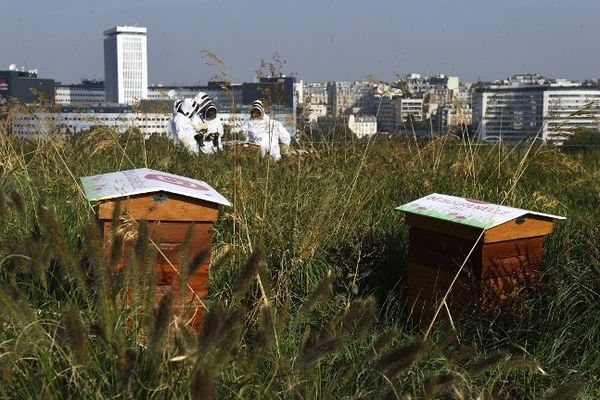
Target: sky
(319, 40)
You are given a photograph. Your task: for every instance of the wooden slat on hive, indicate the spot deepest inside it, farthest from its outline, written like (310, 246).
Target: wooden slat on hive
(427, 287)
(173, 252)
(508, 257)
(441, 226)
(192, 316)
(171, 207)
(499, 289)
(166, 275)
(420, 275)
(174, 232)
(512, 248)
(169, 237)
(527, 226)
(443, 242)
(439, 242)
(427, 271)
(169, 232)
(525, 263)
(185, 298)
(438, 260)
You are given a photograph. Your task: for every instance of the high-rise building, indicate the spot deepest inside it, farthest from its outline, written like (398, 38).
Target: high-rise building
(125, 64)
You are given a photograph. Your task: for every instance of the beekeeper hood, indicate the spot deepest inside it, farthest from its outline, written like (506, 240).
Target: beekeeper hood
(201, 104)
(257, 107)
(187, 108)
(176, 106)
(211, 112)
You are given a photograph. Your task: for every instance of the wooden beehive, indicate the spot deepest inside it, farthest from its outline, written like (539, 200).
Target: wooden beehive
(240, 146)
(501, 248)
(174, 207)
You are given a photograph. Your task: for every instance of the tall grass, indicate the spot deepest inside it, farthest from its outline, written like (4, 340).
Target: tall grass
(307, 296)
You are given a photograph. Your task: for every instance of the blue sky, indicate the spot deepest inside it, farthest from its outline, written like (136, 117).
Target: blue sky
(320, 40)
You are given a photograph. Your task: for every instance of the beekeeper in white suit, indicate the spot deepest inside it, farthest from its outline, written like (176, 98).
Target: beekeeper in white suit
(182, 129)
(171, 134)
(207, 124)
(266, 132)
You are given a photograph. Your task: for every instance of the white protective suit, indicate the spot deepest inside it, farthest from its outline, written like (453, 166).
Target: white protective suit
(171, 134)
(182, 129)
(213, 129)
(266, 132)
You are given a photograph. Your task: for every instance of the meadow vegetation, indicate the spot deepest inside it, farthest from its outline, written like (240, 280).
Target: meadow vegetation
(307, 294)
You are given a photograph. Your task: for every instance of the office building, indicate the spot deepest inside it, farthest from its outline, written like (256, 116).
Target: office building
(344, 97)
(271, 90)
(568, 110)
(88, 92)
(529, 106)
(411, 110)
(125, 64)
(315, 93)
(150, 117)
(25, 86)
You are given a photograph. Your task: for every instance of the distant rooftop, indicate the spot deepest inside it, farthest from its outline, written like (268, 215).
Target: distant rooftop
(211, 85)
(532, 82)
(103, 108)
(32, 73)
(365, 118)
(140, 30)
(84, 84)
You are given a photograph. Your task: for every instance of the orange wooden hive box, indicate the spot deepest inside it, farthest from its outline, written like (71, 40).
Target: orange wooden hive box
(505, 245)
(240, 146)
(174, 207)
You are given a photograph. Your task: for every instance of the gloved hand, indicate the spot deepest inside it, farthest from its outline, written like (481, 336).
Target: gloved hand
(199, 138)
(199, 125)
(285, 149)
(214, 138)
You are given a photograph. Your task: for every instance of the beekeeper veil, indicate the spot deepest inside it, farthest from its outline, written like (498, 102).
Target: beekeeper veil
(201, 104)
(257, 109)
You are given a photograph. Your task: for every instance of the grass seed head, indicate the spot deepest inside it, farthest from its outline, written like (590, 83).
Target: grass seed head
(76, 335)
(440, 382)
(202, 383)
(18, 202)
(401, 358)
(247, 274)
(569, 391)
(162, 320)
(487, 363)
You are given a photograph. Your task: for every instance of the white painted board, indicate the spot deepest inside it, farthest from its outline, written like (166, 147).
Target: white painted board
(475, 213)
(145, 180)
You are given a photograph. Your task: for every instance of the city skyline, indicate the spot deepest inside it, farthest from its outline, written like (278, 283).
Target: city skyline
(349, 40)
